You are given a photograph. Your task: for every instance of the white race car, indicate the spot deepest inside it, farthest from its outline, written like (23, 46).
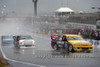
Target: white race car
(24, 41)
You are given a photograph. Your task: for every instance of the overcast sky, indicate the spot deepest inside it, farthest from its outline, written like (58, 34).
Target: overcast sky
(47, 6)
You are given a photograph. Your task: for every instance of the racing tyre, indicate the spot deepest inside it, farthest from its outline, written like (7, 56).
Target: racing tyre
(18, 46)
(52, 45)
(70, 48)
(56, 47)
(66, 47)
(89, 51)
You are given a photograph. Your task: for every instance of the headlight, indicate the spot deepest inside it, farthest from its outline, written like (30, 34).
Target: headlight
(90, 44)
(21, 43)
(76, 44)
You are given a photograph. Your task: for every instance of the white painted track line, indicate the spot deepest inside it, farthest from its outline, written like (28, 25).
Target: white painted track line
(3, 54)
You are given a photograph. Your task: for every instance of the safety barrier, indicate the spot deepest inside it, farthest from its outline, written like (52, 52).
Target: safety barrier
(95, 43)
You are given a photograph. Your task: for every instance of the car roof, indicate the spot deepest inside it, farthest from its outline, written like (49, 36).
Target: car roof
(24, 35)
(69, 35)
(6, 35)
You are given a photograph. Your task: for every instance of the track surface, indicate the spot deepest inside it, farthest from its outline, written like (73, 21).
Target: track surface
(42, 55)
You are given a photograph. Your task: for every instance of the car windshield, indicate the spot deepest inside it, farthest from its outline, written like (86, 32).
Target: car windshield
(75, 38)
(26, 37)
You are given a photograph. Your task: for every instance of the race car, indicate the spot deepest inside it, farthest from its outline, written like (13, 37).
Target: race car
(23, 41)
(53, 37)
(72, 43)
(7, 39)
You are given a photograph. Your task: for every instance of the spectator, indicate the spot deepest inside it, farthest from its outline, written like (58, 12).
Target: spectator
(91, 34)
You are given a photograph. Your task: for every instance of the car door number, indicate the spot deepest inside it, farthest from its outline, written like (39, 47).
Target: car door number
(60, 42)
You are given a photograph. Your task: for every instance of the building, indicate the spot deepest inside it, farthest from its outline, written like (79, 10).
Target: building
(66, 14)
(64, 11)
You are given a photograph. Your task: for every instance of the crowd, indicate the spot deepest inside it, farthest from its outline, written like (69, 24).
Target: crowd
(87, 34)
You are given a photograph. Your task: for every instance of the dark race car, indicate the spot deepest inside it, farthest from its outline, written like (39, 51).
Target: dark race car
(58, 43)
(71, 43)
(53, 37)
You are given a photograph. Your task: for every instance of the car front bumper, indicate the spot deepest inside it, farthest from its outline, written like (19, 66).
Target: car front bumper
(27, 46)
(83, 48)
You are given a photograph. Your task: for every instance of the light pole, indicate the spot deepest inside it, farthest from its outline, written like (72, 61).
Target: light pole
(35, 7)
(3, 12)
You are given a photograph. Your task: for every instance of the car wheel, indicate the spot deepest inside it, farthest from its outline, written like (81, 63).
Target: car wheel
(56, 47)
(52, 45)
(70, 48)
(66, 47)
(89, 51)
(18, 46)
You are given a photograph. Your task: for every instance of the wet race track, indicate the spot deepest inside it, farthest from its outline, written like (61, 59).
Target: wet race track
(42, 55)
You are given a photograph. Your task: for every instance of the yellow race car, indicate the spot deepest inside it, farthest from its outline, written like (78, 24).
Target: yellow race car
(73, 43)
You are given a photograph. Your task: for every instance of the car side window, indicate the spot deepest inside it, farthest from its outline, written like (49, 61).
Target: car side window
(60, 38)
(18, 37)
(14, 37)
(64, 38)
(57, 38)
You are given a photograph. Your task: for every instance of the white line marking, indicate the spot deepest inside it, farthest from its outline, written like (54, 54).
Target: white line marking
(18, 61)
